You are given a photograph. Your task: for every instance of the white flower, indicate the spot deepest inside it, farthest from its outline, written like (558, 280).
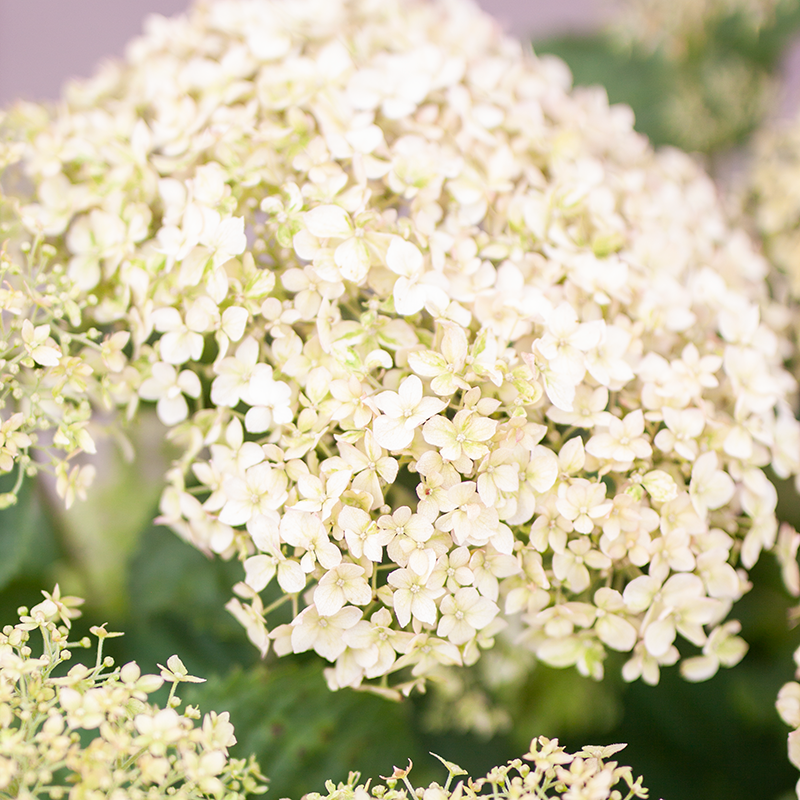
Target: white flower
(39, 344)
(403, 411)
(786, 553)
(623, 442)
(464, 614)
(270, 401)
(454, 569)
(464, 436)
(710, 487)
(312, 630)
(444, 366)
(587, 408)
(321, 496)
(429, 291)
(466, 518)
(582, 502)
(566, 340)
(225, 238)
(341, 584)
(370, 466)
(306, 531)
(363, 536)
(235, 375)
(261, 489)
(571, 566)
(723, 648)
(646, 666)
(414, 596)
(180, 343)
(680, 435)
(168, 387)
(679, 606)
(408, 536)
(411, 292)
(612, 628)
(788, 704)
(497, 473)
(375, 643)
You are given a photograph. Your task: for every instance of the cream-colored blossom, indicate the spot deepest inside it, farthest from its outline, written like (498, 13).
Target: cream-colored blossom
(403, 411)
(98, 716)
(436, 357)
(414, 596)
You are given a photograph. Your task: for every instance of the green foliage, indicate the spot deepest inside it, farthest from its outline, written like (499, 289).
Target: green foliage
(303, 734)
(27, 543)
(707, 99)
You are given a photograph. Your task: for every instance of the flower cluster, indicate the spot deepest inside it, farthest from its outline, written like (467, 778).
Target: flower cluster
(53, 368)
(92, 732)
(656, 24)
(718, 92)
(774, 202)
(788, 705)
(446, 344)
(554, 773)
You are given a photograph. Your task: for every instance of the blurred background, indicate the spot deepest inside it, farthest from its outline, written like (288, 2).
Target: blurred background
(706, 89)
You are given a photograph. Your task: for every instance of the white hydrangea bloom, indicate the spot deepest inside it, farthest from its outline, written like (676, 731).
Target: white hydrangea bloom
(493, 355)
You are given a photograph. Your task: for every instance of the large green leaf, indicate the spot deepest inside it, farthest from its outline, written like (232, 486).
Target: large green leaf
(28, 545)
(303, 734)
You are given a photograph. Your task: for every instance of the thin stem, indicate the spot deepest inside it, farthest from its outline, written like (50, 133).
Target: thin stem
(277, 603)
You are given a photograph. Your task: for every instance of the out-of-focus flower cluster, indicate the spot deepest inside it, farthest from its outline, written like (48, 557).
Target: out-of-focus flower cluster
(553, 773)
(446, 344)
(788, 705)
(674, 26)
(92, 733)
(53, 367)
(718, 94)
(774, 196)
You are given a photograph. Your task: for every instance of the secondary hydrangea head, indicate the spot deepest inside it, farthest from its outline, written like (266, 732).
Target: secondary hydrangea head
(92, 732)
(53, 367)
(681, 24)
(445, 343)
(773, 196)
(788, 705)
(715, 91)
(553, 773)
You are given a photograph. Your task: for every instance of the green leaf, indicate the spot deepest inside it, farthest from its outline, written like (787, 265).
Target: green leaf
(27, 541)
(303, 734)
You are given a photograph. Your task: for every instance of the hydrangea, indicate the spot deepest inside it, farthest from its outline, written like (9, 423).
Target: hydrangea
(93, 732)
(788, 705)
(53, 368)
(445, 343)
(553, 773)
(677, 25)
(716, 90)
(772, 196)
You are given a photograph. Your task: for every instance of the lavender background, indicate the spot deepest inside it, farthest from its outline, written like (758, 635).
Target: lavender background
(45, 42)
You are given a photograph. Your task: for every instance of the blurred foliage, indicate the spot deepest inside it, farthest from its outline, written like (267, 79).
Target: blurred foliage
(306, 734)
(707, 99)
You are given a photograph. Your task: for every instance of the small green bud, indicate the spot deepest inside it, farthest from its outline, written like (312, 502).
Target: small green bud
(7, 499)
